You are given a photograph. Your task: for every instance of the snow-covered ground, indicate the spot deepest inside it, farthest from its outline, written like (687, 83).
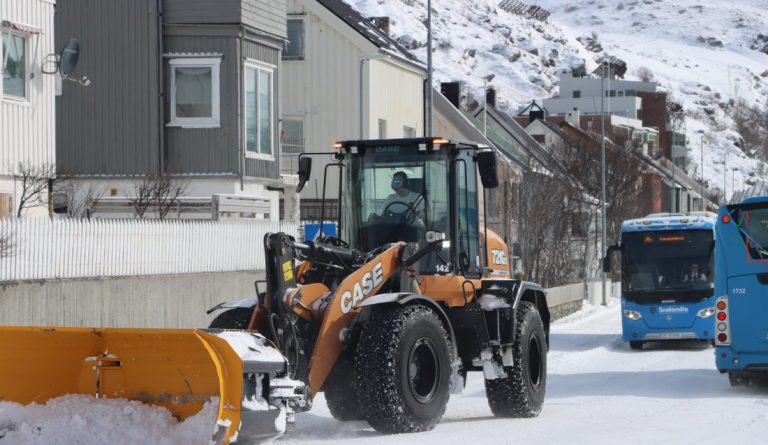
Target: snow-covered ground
(598, 392)
(699, 52)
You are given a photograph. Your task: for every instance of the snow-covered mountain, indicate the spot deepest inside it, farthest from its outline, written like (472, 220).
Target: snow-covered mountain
(706, 55)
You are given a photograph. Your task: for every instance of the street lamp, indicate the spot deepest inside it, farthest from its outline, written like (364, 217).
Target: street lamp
(703, 198)
(364, 59)
(429, 68)
(603, 64)
(486, 80)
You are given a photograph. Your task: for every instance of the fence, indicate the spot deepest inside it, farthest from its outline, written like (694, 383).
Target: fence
(44, 249)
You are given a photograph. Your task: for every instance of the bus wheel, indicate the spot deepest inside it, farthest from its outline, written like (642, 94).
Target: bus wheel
(737, 379)
(636, 345)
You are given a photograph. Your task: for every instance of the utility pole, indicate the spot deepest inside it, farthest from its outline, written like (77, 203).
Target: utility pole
(602, 170)
(429, 68)
(703, 198)
(725, 175)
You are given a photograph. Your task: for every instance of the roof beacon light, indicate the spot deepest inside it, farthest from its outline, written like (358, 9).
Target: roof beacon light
(726, 219)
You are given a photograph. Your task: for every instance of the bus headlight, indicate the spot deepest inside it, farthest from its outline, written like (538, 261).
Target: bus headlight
(706, 312)
(632, 315)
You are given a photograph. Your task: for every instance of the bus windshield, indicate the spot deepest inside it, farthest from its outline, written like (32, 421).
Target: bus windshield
(656, 264)
(753, 228)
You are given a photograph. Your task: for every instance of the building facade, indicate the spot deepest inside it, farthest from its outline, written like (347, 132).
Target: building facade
(343, 78)
(27, 98)
(182, 88)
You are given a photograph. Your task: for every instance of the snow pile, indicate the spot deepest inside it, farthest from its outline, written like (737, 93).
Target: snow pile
(252, 346)
(79, 419)
(704, 54)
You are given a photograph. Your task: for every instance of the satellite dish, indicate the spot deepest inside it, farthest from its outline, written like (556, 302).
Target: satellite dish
(69, 56)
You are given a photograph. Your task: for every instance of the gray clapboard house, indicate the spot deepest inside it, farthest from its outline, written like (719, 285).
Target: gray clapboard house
(187, 88)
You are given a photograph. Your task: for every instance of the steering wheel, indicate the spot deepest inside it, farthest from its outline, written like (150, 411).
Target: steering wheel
(407, 217)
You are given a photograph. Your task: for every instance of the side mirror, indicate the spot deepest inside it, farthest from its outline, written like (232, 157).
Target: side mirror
(517, 250)
(607, 258)
(305, 169)
(486, 165)
(434, 236)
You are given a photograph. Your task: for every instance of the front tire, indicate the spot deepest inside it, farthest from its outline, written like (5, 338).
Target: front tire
(402, 369)
(636, 345)
(340, 396)
(521, 393)
(237, 318)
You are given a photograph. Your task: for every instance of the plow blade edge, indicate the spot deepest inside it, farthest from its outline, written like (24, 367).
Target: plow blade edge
(178, 369)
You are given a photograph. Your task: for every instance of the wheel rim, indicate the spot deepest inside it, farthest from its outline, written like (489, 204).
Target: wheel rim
(423, 370)
(534, 362)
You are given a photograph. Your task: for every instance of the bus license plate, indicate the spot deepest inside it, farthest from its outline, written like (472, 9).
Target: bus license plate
(671, 335)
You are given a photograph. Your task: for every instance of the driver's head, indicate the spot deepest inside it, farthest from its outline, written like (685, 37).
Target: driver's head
(694, 268)
(399, 181)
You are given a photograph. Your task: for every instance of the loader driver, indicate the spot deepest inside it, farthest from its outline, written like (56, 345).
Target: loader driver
(406, 205)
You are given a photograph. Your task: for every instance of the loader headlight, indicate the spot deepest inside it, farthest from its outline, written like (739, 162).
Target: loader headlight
(706, 312)
(632, 315)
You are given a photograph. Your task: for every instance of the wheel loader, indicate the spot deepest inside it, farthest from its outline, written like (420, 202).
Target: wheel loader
(389, 316)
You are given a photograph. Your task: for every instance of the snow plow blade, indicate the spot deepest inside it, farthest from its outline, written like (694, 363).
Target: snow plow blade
(178, 369)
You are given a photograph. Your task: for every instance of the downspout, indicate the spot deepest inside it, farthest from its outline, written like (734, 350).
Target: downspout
(161, 87)
(241, 101)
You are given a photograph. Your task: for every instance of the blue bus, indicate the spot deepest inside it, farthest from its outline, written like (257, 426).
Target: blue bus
(741, 288)
(667, 290)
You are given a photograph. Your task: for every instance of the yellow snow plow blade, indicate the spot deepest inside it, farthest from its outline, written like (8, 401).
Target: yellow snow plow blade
(178, 369)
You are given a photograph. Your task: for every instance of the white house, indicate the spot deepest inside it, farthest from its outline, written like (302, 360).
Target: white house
(27, 95)
(343, 78)
(583, 94)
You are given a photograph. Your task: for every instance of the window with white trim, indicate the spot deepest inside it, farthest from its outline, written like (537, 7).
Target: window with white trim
(195, 92)
(14, 64)
(409, 132)
(259, 110)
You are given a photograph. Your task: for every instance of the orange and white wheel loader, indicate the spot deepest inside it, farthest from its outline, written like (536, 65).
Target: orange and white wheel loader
(387, 317)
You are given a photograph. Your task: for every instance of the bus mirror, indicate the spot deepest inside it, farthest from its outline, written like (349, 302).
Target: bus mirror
(517, 250)
(305, 168)
(486, 165)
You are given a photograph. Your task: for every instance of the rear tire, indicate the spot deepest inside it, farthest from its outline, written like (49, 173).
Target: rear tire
(636, 345)
(521, 393)
(402, 369)
(737, 379)
(237, 318)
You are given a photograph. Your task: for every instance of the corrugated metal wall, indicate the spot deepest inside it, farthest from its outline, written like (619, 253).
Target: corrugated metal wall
(27, 128)
(265, 15)
(112, 126)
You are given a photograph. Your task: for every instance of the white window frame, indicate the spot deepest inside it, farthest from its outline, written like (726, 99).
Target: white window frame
(270, 69)
(25, 36)
(197, 122)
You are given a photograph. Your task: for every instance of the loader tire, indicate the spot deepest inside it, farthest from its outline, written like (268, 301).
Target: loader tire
(521, 393)
(402, 369)
(237, 318)
(340, 393)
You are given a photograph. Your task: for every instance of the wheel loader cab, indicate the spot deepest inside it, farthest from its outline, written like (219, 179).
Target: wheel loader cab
(396, 190)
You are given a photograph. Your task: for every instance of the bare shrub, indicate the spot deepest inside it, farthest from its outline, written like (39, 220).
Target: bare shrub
(644, 74)
(159, 193)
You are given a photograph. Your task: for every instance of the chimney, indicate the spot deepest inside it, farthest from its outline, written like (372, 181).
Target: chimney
(490, 97)
(452, 92)
(574, 118)
(382, 23)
